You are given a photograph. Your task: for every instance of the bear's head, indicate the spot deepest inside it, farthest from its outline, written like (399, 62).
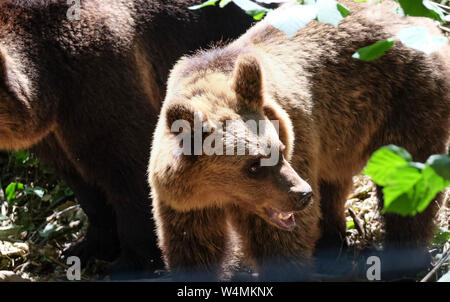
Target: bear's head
(217, 143)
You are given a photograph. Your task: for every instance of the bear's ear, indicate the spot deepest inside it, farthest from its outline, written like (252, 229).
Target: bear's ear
(247, 81)
(179, 112)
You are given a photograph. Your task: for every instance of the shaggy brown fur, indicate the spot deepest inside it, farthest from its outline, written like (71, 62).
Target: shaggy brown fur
(85, 96)
(334, 112)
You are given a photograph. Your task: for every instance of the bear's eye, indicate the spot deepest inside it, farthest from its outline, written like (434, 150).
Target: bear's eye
(254, 169)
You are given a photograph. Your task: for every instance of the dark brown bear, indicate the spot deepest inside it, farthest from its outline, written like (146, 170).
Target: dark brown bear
(333, 110)
(85, 94)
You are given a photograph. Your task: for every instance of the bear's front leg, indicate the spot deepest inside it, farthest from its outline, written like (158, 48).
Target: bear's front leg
(101, 240)
(194, 243)
(279, 255)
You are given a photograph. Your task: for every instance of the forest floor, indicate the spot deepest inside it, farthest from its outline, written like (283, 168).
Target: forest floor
(39, 217)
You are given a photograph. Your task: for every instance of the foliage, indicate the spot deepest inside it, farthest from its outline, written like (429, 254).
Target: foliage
(38, 215)
(250, 7)
(408, 187)
(293, 18)
(442, 236)
(374, 51)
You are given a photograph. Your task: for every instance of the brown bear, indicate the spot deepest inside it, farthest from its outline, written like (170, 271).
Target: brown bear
(84, 95)
(333, 112)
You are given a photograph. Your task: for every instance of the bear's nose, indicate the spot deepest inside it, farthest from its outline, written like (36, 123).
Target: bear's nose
(301, 198)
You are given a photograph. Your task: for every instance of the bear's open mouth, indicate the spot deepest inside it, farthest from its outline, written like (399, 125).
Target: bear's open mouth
(285, 220)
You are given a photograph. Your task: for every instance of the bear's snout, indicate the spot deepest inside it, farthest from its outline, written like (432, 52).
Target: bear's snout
(301, 197)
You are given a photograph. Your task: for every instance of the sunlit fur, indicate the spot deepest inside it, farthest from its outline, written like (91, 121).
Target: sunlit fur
(85, 96)
(334, 110)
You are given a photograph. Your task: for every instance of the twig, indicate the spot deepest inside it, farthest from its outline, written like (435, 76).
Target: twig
(437, 266)
(358, 223)
(444, 28)
(442, 5)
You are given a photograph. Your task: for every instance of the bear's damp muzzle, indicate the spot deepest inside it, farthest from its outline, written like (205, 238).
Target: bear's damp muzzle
(294, 195)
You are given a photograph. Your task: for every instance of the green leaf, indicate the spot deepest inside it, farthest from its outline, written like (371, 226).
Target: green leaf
(374, 51)
(257, 16)
(3, 217)
(252, 9)
(291, 19)
(222, 3)
(38, 191)
(421, 8)
(204, 4)
(12, 189)
(433, 7)
(427, 188)
(21, 157)
(343, 10)
(410, 189)
(384, 161)
(47, 197)
(440, 164)
(350, 225)
(9, 230)
(399, 151)
(329, 11)
(441, 236)
(418, 37)
(399, 183)
(49, 229)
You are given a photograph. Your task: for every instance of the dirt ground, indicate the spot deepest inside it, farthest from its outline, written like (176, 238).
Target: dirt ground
(23, 258)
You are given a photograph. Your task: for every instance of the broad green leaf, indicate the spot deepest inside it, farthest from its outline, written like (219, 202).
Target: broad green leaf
(399, 151)
(374, 51)
(12, 189)
(440, 164)
(383, 162)
(328, 11)
(441, 236)
(418, 37)
(410, 189)
(223, 3)
(252, 9)
(3, 217)
(291, 19)
(399, 183)
(426, 189)
(204, 4)
(420, 8)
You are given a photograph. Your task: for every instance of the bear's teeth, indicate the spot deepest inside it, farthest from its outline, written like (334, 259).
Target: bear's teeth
(284, 215)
